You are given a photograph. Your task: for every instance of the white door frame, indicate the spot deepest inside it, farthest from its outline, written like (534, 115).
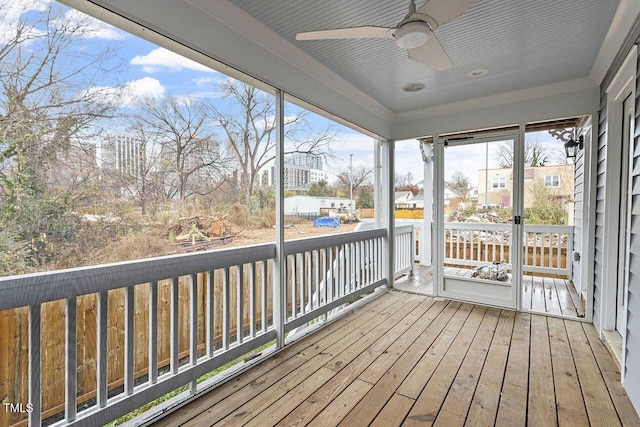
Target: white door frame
(516, 260)
(622, 86)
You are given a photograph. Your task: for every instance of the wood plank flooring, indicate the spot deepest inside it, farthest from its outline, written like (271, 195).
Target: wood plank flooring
(406, 359)
(540, 294)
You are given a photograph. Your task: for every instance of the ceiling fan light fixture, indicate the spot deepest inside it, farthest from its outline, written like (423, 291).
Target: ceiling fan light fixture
(412, 35)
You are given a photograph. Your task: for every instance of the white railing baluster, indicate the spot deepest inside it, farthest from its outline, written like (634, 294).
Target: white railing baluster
(226, 309)
(174, 333)
(101, 369)
(252, 299)
(129, 312)
(313, 289)
(331, 276)
(489, 235)
(210, 317)
(265, 295)
(294, 285)
(303, 281)
(558, 262)
(367, 261)
(494, 252)
(322, 253)
(153, 332)
(35, 364)
(193, 328)
(549, 237)
(359, 264)
(71, 366)
(340, 268)
(240, 304)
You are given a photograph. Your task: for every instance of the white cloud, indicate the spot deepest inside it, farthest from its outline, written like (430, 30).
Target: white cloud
(11, 12)
(162, 59)
(133, 92)
(203, 81)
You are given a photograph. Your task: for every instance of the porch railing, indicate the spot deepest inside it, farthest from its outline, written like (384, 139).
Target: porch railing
(546, 248)
(216, 306)
(405, 253)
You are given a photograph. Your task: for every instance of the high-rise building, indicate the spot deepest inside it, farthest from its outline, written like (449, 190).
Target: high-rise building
(121, 153)
(301, 170)
(312, 161)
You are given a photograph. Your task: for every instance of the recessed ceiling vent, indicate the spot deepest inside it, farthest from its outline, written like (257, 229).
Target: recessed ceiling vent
(413, 87)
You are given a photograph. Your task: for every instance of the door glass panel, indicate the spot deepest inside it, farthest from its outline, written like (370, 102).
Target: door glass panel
(549, 197)
(478, 209)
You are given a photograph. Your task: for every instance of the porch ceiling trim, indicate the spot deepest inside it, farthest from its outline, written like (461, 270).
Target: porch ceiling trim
(558, 100)
(623, 22)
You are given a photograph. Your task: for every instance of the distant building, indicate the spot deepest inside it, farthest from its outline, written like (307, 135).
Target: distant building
(557, 179)
(401, 199)
(121, 153)
(311, 205)
(310, 161)
(301, 171)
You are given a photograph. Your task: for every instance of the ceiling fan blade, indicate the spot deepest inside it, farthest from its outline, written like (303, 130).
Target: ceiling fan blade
(369, 32)
(431, 54)
(444, 10)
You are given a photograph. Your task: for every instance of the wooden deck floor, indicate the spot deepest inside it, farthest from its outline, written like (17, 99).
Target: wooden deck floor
(539, 294)
(406, 359)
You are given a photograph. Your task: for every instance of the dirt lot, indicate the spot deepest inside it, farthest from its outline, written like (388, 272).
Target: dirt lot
(299, 230)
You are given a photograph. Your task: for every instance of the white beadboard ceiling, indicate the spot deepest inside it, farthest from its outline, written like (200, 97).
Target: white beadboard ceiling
(523, 43)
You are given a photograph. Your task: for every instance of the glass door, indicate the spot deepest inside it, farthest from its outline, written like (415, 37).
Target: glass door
(479, 219)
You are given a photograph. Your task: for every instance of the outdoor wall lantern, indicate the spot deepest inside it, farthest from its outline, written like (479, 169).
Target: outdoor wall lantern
(572, 146)
(572, 142)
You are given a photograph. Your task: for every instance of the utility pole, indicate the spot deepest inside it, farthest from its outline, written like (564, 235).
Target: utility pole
(351, 185)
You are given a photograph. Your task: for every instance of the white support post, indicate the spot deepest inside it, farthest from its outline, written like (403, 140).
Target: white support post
(279, 273)
(438, 206)
(426, 234)
(377, 184)
(388, 208)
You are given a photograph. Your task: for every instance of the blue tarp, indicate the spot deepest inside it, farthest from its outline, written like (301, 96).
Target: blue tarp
(327, 222)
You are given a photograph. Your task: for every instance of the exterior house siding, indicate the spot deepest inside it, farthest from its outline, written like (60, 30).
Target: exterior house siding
(631, 374)
(600, 212)
(578, 223)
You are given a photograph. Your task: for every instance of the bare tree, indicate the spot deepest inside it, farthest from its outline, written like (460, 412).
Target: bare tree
(459, 185)
(48, 114)
(403, 180)
(535, 154)
(359, 175)
(191, 160)
(249, 125)
(44, 104)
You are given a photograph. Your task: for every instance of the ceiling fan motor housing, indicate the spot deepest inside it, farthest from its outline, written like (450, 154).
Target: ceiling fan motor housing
(412, 35)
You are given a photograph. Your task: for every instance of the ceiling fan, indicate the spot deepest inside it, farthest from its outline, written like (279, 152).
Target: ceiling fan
(414, 32)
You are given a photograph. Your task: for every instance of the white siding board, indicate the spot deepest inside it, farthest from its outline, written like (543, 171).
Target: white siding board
(631, 372)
